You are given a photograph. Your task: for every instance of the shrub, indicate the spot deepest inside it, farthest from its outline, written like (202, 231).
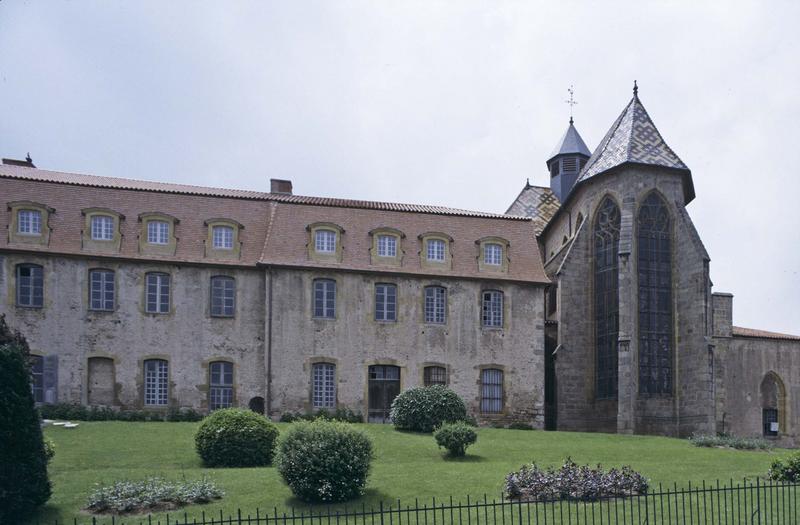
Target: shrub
(324, 461)
(787, 469)
(423, 409)
(122, 497)
(573, 482)
(520, 426)
(455, 437)
(49, 449)
(235, 437)
(81, 413)
(23, 475)
(340, 414)
(728, 440)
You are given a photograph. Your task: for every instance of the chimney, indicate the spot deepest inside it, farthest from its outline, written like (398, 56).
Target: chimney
(280, 186)
(27, 163)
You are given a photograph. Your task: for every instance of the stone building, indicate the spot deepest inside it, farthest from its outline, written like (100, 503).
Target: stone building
(587, 306)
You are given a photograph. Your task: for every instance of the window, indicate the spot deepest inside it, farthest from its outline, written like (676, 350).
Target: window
(220, 392)
(101, 290)
(157, 293)
(435, 250)
(222, 237)
(102, 228)
(37, 378)
(655, 297)
(325, 241)
(773, 403)
(493, 254)
(435, 304)
(491, 391)
(385, 302)
(434, 375)
(606, 298)
(29, 222)
(156, 382)
(223, 296)
(30, 286)
(493, 309)
(325, 298)
(158, 232)
(323, 377)
(387, 246)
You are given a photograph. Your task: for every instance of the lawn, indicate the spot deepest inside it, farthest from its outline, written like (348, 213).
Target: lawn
(407, 466)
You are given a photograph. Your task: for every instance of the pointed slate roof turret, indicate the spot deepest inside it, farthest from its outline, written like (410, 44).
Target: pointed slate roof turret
(566, 161)
(570, 143)
(634, 139)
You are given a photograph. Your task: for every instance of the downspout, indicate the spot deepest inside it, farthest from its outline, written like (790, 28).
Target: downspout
(269, 341)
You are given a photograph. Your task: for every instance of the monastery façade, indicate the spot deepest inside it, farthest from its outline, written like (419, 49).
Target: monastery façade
(588, 305)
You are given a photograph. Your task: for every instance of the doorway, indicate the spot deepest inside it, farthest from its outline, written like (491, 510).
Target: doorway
(101, 381)
(384, 385)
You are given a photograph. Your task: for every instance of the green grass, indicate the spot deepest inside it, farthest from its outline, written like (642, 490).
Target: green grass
(407, 466)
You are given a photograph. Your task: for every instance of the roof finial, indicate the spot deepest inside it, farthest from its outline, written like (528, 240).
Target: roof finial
(571, 102)
(28, 157)
(635, 89)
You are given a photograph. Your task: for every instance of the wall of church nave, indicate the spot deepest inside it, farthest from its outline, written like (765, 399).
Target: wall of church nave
(304, 346)
(761, 380)
(99, 357)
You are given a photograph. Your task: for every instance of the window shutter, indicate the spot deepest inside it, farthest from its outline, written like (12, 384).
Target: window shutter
(50, 379)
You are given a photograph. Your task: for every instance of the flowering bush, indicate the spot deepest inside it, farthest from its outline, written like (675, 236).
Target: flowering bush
(455, 437)
(154, 493)
(324, 461)
(573, 482)
(727, 440)
(426, 408)
(787, 469)
(235, 437)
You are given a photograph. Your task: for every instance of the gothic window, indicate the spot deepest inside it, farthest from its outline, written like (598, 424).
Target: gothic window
(655, 297)
(435, 304)
(323, 378)
(101, 290)
(606, 297)
(30, 286)
(385, 302)
(325, 298)
(156, 382)
(223, 296)
(491, 391)
(220, 392)
(434, 375)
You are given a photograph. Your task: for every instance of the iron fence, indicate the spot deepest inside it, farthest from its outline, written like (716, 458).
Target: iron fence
(759, 502)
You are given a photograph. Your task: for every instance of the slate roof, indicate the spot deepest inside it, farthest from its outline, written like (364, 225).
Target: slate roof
(77, 179)
(537, 202)
(570, 144)
(738, 331)
(633, 138)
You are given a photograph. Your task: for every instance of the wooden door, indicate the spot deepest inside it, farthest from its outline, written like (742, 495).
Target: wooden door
(384, 385)
(101, 381)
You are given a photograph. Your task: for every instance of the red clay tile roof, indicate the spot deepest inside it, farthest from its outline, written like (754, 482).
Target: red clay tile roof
(274, 224)
(738, 331)
(26, 173)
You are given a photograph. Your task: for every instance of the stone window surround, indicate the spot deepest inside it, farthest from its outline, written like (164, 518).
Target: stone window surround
(158, 249)
(446, 304)
(99, 245)
(503, 312)
(15, 237)
(313, 298)
(222, 253)
(170, 309)
(325, 257)
(207, 366)
(504, 256)
(378, 260)
(388, 286)
(308, 367)
(447, 264)
(89, 290)
(211, 297)
(504, 408)
(15, 292)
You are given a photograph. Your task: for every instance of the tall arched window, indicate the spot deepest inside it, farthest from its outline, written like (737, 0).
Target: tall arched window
(772, 405)
(606, 297)
(655, 297)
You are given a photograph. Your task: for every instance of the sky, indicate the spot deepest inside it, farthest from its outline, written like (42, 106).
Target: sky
(448, 103)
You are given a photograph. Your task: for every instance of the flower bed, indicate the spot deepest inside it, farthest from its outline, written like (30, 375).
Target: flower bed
(151, 494)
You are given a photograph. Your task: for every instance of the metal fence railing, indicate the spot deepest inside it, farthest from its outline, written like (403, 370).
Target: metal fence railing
(759, 502)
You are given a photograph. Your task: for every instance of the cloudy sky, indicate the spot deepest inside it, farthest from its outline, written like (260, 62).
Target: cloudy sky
(451, 103)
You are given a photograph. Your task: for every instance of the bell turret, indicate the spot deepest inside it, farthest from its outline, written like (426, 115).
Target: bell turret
(566, 161)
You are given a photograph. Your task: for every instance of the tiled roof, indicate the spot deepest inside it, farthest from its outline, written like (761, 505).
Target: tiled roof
(538, 203)
(738, 331)
(18, 172)
(570, 143)
(632, 138)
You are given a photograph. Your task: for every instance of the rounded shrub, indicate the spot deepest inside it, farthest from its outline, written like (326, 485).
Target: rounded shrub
(423, 409)
(787, 469)
(455, 437)
(235, 437)
(324, 461)
(23, 477)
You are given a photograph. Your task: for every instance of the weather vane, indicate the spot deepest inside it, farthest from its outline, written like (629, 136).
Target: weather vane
(571, 101)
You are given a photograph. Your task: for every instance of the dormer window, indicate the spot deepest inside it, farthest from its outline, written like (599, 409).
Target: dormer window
(387, 246)
(102, 228)
(222, 237)
(493, 254)
(29, 222)
(158, 232)
(325, 241)
(435, 249)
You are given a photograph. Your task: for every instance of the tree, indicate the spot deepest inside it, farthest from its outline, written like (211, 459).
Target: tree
(23, 461)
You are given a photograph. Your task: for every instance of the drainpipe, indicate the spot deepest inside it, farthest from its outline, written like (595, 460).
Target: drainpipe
(269, 342)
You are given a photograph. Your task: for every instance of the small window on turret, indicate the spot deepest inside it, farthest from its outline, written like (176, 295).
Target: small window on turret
(554, 168)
